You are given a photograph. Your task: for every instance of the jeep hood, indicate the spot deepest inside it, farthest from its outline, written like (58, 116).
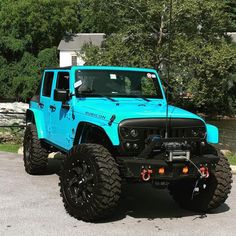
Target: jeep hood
(130, 109)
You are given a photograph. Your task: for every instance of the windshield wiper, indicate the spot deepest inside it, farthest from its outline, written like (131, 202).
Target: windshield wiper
(144, 98)
(97, 95)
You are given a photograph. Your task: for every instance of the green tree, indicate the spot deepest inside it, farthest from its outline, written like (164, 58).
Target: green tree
(99, 16)
(231, 10)
(31, 26)
(202, 57)
(26, 82)
(48, 57)
(30, 32)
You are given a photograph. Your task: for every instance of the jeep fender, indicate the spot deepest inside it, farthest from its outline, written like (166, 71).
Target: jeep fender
(212, 134)
(36, 117)
(107, 130)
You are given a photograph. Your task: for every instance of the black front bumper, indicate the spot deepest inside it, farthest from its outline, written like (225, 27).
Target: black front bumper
(132, 167)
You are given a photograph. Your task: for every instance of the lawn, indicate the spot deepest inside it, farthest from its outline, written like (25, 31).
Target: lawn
(9, 147)
(232, 159)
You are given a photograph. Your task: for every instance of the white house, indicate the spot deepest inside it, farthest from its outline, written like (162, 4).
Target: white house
(70, 47)
(233, 35)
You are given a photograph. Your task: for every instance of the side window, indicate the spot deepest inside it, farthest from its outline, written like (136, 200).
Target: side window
(47, 84)
(63, 80)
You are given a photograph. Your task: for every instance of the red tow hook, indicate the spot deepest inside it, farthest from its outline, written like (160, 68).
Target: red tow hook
(204, 171)
(146, 174)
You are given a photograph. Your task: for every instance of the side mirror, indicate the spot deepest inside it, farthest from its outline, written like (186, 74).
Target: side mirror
(61, 95)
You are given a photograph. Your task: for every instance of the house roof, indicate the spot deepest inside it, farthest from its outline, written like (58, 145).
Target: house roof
(76, 41)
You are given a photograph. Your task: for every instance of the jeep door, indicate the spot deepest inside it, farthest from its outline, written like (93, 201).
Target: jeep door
(61, 112)
(45, 100)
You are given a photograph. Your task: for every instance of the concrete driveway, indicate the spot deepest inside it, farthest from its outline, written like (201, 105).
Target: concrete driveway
(31, 205)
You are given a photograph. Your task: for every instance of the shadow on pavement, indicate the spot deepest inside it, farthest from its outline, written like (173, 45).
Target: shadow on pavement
(54, 166)
(143, 201)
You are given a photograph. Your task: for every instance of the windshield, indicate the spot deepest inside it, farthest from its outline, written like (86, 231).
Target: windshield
(114, 83)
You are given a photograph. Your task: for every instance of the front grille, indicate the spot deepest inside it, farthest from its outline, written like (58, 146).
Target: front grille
(189, 132)
(177, 128)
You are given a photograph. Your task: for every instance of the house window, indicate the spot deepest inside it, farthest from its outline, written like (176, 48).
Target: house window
(74, 60)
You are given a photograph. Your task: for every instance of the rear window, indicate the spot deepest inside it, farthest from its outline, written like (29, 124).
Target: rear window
(47, 84)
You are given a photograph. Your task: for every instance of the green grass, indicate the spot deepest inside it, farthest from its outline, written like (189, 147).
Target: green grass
(9, 147)
(232, 159)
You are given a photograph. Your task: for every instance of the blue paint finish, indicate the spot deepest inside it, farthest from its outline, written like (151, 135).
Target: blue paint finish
(39, 121)
(59, 126)
(212, 134)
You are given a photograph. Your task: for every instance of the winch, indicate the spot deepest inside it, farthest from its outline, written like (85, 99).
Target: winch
(177, 151)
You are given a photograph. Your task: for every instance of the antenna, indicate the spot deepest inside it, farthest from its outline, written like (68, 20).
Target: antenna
(168, 64)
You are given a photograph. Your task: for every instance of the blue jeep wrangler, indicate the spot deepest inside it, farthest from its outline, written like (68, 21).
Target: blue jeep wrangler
(114, 124)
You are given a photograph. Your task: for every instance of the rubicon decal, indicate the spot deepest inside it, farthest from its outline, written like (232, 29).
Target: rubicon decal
(95, 115)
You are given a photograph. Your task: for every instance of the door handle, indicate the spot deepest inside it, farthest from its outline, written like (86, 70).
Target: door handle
(53, 108)
(41, 105)
(66, 106)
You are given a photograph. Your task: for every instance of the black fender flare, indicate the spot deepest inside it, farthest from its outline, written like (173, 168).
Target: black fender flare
(83, 126)
(29, 118)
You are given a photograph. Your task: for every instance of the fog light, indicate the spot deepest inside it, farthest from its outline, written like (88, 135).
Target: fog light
(128, 145)
(161, 170)
(185, 170)
(203, 144)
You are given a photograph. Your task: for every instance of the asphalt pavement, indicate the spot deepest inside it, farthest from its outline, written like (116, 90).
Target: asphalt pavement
(31, 205)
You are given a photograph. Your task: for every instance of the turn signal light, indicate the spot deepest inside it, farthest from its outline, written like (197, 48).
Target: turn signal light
(185, 170)
(161, 170)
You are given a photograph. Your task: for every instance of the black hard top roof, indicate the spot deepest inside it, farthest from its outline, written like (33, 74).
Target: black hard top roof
(58, 68)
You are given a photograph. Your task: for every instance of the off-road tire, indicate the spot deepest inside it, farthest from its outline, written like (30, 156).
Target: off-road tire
(98, 197)
(218, 186)
(35, 154)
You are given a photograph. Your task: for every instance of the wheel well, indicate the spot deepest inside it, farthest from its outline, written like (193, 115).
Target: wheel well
(90, 133)
(30, 117)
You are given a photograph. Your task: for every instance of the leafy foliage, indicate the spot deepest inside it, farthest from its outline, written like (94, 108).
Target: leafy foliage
(230, 6)
(202, 56)
(29, 31)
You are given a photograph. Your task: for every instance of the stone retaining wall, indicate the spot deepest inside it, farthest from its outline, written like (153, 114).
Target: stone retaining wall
(12, 135)
(13, 119)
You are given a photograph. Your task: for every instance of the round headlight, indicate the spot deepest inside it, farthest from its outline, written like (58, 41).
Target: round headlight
(199, 132)
(194, 133)
(134, 133)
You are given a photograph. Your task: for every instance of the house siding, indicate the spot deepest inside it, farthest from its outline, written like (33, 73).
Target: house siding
(66, 58)
(233, 36)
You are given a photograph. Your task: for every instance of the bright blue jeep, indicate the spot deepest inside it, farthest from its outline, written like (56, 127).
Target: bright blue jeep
(114, 124)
